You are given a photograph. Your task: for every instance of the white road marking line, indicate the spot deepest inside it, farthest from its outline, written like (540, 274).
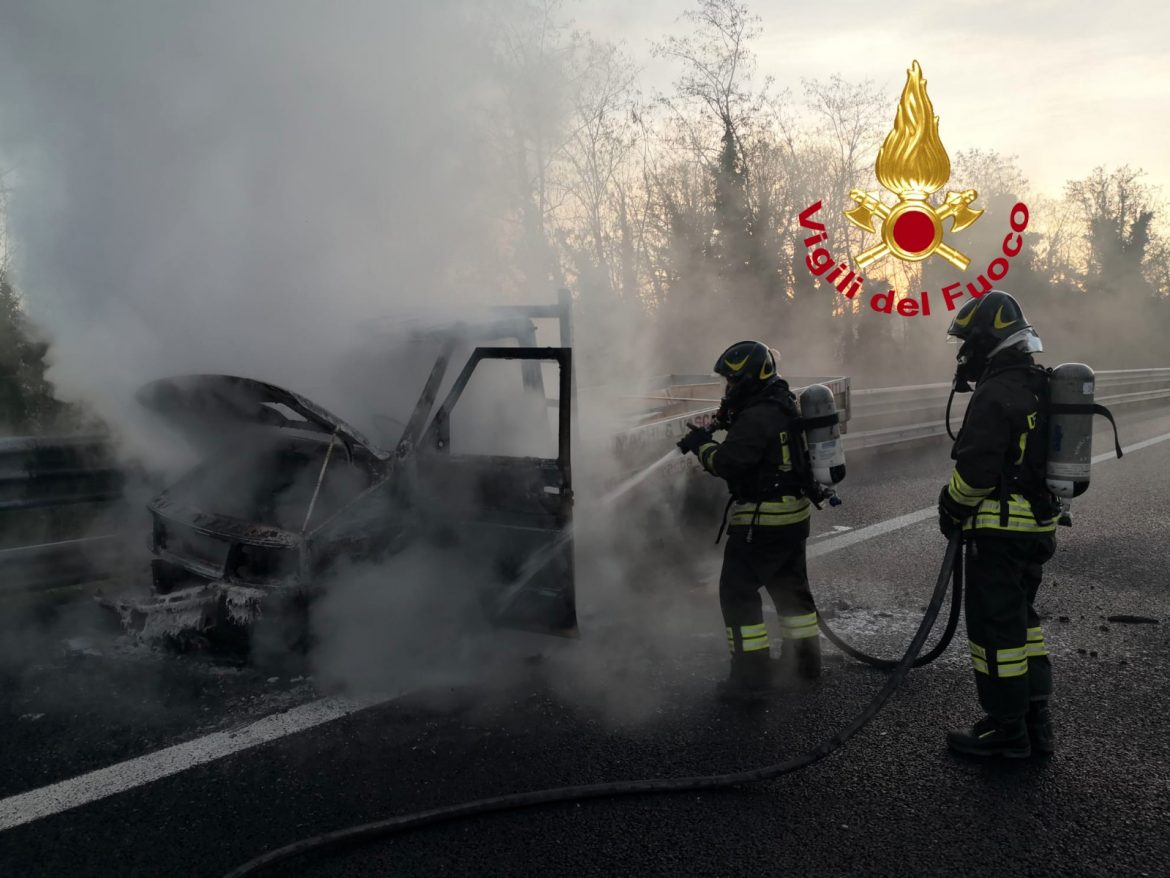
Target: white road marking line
(64, 795)
(1126, 449)
(75, 792)
(835, 544)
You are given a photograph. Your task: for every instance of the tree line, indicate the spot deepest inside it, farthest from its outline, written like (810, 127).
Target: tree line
(673, 218)
(678, 212)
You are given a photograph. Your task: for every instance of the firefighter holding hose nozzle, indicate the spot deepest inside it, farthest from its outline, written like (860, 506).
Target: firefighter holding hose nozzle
(997, 496)
(766, 466)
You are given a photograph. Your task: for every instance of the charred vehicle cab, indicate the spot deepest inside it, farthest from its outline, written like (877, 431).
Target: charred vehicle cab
(288, 493)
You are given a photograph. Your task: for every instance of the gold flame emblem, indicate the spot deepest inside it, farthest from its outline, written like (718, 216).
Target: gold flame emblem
(913, 164)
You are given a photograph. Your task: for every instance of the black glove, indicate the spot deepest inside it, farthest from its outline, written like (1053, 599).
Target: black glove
(694, 440)
(950, 513)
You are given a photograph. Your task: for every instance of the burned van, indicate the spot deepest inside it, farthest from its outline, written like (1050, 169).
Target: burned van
(288, 492)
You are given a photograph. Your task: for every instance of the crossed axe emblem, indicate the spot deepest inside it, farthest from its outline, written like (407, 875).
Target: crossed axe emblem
(957, 206)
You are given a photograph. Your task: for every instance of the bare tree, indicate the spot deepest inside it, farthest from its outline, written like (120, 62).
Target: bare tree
(1117, 210)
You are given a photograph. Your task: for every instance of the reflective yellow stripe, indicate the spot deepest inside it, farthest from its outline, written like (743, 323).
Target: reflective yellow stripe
(771, 520)
(788, 510)
(1023, 448)
(1036, 645)
(783, 505)
(1011, 662)
(1014, 525)
(785, 456)
(707, 454)
(963, 493)
(798, 621)
(980, 665)
(798, 627)
(752, 637)
(1015, 669)
(1020, 517)
(977, 650)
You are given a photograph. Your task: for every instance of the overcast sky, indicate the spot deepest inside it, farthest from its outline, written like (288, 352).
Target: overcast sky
(1064, 85)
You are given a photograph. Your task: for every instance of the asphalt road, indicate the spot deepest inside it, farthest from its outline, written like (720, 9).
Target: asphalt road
(632, 699)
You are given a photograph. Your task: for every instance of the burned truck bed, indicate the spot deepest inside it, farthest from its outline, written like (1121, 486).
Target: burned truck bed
(288, 496)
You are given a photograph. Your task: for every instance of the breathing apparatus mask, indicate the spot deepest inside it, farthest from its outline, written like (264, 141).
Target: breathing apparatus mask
(970, 363)
(977, 351)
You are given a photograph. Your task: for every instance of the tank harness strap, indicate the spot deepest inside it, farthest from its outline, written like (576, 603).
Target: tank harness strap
(723, 525)
(802, 462)
(755, 520)
(822, 421)
(1069, 408)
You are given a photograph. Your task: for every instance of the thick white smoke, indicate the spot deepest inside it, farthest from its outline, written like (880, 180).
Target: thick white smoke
(246, 188)
(262, 189)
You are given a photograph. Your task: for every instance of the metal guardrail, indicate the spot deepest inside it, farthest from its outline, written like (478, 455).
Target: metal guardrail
(57, 471)
(56, 565)
(886, 416)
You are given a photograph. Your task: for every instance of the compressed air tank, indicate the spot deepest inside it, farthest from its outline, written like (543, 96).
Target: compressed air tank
(822, 434)
(1070, 429)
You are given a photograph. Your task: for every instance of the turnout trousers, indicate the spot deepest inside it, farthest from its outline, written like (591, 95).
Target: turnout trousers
(774, 560)
(1008, 652)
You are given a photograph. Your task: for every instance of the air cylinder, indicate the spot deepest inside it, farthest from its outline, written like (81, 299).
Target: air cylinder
(1070, 429)
(822, 434)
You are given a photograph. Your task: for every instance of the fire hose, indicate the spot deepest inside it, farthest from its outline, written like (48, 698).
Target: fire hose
(939, 648)
(355, 835)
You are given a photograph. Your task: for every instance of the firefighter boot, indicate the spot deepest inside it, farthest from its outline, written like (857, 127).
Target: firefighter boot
(1039, 722)
(800, 660)
(992, 737)
(750, 680)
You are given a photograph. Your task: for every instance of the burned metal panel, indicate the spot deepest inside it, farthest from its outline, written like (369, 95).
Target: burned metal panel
(168, 508)
(209, 400)
(515, 513)
(426, 400)
(379, 522)
(511, 509)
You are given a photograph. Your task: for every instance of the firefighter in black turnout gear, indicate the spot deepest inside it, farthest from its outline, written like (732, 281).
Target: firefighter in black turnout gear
(765, 464)
(998, 497)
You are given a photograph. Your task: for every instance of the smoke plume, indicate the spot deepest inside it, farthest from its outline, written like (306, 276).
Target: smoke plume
(254, 189)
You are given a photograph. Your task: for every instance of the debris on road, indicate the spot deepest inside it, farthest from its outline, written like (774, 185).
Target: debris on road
(1126, 619)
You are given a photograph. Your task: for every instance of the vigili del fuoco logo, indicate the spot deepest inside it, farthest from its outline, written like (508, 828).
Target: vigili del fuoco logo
(913, 165)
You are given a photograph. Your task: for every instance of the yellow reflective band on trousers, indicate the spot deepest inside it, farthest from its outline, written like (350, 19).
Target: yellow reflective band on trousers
(798, 627)
(978, 657)
(963, 493)
(772, 513)
(752, 637)
(1013, 669)
(1036, 645)
(1011, 662)
(1020, 518)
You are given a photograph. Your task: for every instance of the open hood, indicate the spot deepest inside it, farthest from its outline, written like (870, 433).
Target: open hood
(225, 400)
